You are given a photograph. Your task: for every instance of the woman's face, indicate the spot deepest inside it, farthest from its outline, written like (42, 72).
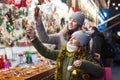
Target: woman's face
(73, 44)
(72, 24)
(73, 41)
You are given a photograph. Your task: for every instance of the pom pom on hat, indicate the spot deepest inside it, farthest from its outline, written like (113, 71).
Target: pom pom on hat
(83, 37)
(79, 17)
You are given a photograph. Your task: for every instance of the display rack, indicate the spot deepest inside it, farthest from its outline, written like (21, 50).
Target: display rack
(33, 72)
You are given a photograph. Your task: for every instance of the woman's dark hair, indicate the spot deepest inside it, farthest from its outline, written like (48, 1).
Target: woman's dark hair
(94, 28)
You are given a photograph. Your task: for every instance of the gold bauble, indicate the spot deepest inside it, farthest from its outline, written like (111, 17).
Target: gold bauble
(74, 72)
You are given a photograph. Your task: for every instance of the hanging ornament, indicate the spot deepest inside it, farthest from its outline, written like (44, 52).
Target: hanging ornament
(25, 24)
(17, 3)
(28, 2)
(9, 27)
(20, 3)
(47, 0)
(75, 73)
(40, 2)
(23, 3)
(9, 1)
(64, 1)
(75, 9)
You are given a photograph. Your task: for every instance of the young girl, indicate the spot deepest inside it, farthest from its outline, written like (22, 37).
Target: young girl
(73, 60)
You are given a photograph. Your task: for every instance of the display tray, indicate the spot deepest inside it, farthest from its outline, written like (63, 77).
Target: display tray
(37, 72)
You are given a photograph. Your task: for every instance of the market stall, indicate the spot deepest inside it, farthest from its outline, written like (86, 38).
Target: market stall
(31, 72)
(19, 60)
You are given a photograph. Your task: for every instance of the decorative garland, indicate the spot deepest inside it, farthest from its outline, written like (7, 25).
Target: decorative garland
(10, 30)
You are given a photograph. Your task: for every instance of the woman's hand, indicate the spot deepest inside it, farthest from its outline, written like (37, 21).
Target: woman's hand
(37, 16)
(77, 63)
(30, 32)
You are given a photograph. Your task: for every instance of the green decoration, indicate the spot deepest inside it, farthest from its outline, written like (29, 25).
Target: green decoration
(1, 21)
(9, 27)
(23, 24)
(28, 56)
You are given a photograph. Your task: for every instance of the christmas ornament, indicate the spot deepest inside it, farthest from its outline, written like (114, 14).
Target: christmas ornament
(17, 3)
(28, 2)
(74, 72)
(28, 57)
(9, 27)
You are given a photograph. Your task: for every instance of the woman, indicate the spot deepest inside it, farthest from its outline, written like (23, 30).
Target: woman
(75, 23)
(73, 60)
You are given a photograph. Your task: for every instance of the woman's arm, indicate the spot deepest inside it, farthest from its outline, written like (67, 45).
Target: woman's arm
(44, 51)
(44, 37)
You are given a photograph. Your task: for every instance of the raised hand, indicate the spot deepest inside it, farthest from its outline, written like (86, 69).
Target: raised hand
(30, 32)
(37, 15)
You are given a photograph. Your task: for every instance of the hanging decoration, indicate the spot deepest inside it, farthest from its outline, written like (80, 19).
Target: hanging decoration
(28, 2)
(21, 3)
(17, 3)
(75, 6)
(47, 0)
(9, 27)
(75, 9)
(24, 23)
(64, 1)
(40, 2)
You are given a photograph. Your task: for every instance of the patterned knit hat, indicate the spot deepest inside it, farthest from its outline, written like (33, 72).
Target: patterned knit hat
(79, 17)
(82, 36)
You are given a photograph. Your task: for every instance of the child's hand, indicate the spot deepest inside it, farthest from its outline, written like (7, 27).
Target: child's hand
(77, 63)
(30, 32)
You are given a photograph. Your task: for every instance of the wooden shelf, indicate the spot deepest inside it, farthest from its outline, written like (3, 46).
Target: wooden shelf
(37, 72)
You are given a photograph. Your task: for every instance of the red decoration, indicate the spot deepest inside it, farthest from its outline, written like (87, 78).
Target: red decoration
(24, 44)
(75, 9)
(17, 3)
(1, 62)
(23, 3)
(41, 1)
(9, 1)
(28, 2)
(20, 3)
(48, 0)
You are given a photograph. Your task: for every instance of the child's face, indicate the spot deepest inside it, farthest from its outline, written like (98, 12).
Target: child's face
(73, 41)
